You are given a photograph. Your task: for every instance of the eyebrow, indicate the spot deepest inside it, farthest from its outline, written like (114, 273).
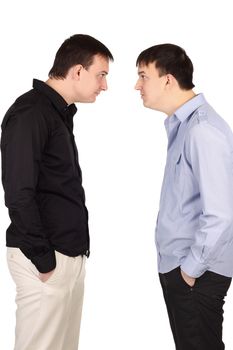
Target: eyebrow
(141, 72)
(103, 71)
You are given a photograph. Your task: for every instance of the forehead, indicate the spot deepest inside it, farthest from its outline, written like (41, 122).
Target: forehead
(100, 63)
(147, 68)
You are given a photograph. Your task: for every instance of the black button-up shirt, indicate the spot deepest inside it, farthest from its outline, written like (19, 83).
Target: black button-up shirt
(42, 178)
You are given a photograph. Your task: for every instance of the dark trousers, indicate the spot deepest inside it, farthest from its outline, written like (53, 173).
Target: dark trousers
(195, 313)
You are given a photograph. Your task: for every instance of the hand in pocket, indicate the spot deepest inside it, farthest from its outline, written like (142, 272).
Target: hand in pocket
(45, 276)
(188, 279)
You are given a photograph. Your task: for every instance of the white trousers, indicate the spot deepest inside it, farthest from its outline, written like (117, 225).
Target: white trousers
(48, 313)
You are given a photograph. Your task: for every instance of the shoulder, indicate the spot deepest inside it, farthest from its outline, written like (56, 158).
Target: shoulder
(27, 109)
(207, 126)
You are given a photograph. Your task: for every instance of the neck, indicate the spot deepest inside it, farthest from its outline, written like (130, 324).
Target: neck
(179, 100)
(62, 88)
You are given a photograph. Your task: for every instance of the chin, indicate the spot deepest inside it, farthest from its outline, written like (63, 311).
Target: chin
(147, 105)
(90, 100)
(93, 99)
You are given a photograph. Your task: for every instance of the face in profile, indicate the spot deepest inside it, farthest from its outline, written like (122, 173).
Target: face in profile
(151, 85)
(93, 79)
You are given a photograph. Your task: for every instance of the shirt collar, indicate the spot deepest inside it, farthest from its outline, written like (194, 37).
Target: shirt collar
(183, 112)
(57, 100)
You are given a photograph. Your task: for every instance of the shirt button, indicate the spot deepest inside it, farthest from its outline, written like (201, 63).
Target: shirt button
(201, 113)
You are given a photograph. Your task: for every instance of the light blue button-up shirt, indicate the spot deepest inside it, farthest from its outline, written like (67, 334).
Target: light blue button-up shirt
(195, 221)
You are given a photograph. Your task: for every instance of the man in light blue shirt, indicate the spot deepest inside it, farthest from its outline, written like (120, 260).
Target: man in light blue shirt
(194, 233)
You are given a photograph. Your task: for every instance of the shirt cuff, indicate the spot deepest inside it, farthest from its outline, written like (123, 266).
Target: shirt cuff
(45, 263)
(192, 267)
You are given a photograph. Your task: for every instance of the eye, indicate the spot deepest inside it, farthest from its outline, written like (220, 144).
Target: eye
(142, 76)
(102, 75)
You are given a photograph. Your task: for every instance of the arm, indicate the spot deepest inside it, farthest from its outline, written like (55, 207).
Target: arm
(210, 157)
(24, 136)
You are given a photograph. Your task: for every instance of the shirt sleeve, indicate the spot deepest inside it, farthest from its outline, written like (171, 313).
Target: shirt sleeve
(210, 156)
(24, 135)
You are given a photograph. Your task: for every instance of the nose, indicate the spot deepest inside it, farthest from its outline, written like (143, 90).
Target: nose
(138, 85)
(104, 85)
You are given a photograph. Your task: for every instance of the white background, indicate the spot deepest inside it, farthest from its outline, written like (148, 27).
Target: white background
(122, 149)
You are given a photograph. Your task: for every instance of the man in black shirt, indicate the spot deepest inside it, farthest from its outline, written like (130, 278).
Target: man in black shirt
(48, 237)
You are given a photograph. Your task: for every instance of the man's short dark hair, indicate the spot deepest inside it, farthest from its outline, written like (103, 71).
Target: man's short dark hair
(78, 49)
(170, 59)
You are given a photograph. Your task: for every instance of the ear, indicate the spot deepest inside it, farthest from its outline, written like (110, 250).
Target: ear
(170, 80)
(76, 71)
